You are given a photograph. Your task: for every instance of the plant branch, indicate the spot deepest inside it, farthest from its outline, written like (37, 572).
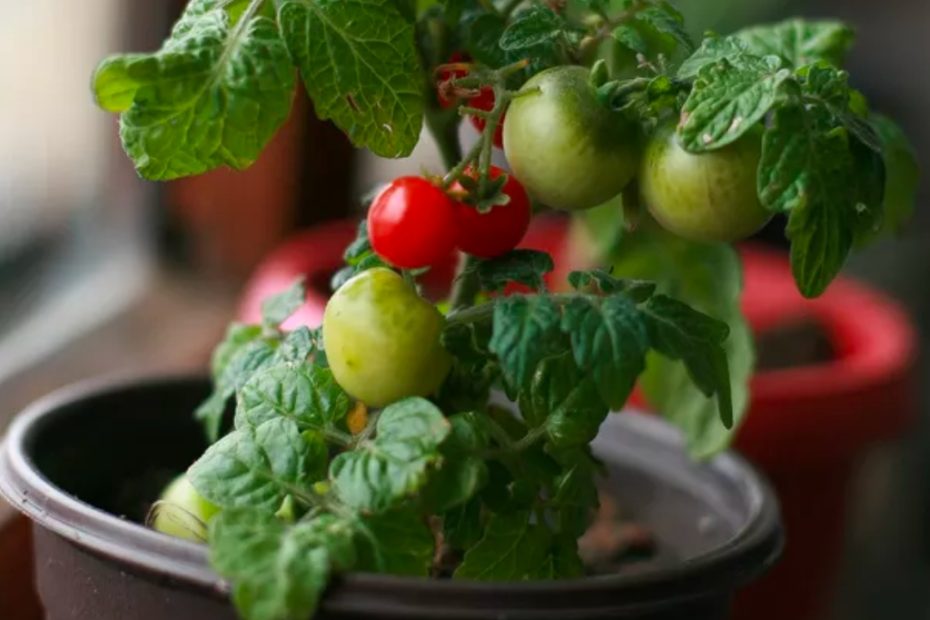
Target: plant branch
(608, 26)
(466, 286)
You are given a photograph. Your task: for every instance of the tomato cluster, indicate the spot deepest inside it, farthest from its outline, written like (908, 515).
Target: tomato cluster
(572, 152)
(413, 223)
(568, 150)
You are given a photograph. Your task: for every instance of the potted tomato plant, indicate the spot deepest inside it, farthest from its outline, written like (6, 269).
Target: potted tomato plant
(412, 460)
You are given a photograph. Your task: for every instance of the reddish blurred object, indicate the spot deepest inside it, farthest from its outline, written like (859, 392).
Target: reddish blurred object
(808, 426)
(316, 255)
(18, 598)
(232, 219)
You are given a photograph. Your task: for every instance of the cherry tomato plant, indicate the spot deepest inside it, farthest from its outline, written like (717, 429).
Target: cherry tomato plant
(373, 443)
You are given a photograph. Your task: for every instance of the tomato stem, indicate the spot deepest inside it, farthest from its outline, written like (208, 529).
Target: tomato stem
(466, 286)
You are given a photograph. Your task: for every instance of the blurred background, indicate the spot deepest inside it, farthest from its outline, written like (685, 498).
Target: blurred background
(101, 272)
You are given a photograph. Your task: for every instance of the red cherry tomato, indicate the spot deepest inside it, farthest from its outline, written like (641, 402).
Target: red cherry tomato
(485, 101)
(498, 231)
(412, 223)
(445, 75)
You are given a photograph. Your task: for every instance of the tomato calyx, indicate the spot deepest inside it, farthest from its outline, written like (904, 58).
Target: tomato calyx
(492, 226)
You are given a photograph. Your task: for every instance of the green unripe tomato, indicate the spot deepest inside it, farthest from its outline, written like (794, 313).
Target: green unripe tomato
(182, 512)
(703, 197)
(569, 151)
(382, 339)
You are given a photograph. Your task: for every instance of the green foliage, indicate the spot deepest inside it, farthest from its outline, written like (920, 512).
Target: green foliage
(312, 483)
(223, 82)
(257, 467)
(708, 277)
(822, 160)
(360, 65)
(728, 99)
(279, 571)
(526, 267)
(379, 474)
(214, 94)
(512, 549)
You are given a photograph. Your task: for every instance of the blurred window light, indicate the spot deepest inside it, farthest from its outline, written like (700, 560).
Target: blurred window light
(73, 248)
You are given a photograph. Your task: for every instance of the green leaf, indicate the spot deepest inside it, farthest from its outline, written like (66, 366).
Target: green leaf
(525, 267)
(258, 467)
(277, 308)
(482, 37)
(242, 353)
(462, 526)
(727, 100)
(397, 543)
(666, 20)
(869, 188)
(114, 86)
(463, 473)
(799, 42)
(902, 173)
(278, 571)
(575, 494)
(213, 95)
(629, 35)
(609, 341)
(538, 24)
(564, 559)
(681, 333)
(525, 331)
(806, 169)
(829, 87)
(511, 549)
(210, 414)
(483, 33)
(565, 400)
(298, 346)
(359, 63)
(305, 393)
(237, 337)
(607, 284)
(377, 475)
(713, 50)
(709, 278)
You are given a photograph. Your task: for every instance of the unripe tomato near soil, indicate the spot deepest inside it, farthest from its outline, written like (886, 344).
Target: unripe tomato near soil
(703, 197)
(568, 150)
(412, 223)
(496, 232)
(383, 340)
(182, 512)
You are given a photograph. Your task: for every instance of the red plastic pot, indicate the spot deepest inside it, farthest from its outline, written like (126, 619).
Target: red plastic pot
(808, 426)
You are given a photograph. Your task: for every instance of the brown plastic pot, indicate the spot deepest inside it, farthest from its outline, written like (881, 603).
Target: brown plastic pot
(84, 464)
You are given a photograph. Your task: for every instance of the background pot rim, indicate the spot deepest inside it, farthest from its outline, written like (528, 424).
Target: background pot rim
(746, 555)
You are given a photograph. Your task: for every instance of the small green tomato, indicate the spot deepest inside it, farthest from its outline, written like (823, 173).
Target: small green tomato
(383, 340)
(703, 197)
(569, 150)
(182, 512)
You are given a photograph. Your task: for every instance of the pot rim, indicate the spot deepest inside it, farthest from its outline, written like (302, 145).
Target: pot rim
(758, 544)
